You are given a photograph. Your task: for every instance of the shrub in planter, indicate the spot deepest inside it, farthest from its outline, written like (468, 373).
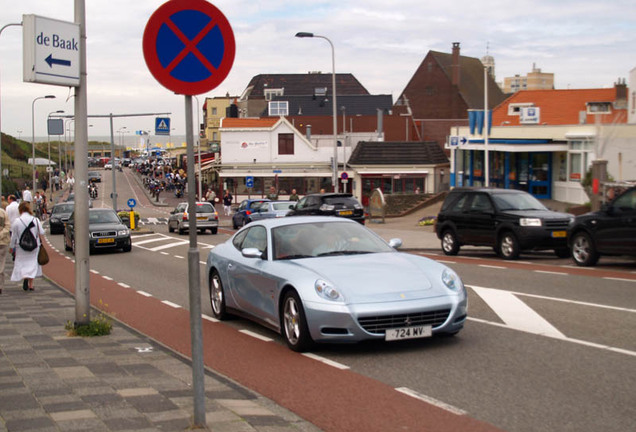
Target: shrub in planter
(125, 217)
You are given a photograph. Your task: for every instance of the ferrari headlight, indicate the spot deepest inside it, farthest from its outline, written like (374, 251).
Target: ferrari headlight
(327, 291)
(451, 280)
(530, 222)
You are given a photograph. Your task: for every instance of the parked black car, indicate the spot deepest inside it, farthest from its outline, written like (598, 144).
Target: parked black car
(329, 204)
(508, 220)
(610, 231)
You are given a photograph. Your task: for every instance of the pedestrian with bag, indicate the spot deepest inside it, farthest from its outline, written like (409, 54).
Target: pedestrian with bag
(26, 240)
(5, 237)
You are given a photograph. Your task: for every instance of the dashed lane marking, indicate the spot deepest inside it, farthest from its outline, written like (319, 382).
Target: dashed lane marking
(492, 266)
(326, 361)
(551, 272)
(256, 335)
(620, 279)
(169, 303)
(432, 401)
(209, 318)
(144, 293)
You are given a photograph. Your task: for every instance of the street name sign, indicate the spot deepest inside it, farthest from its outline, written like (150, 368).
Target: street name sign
(189, 46)
(50, 51)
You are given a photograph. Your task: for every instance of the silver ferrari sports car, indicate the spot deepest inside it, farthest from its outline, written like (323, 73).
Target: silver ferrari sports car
(327, 279)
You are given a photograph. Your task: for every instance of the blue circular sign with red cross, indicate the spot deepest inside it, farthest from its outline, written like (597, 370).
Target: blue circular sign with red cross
(189, 46)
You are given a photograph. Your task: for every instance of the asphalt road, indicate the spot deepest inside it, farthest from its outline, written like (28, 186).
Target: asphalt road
(547, 347)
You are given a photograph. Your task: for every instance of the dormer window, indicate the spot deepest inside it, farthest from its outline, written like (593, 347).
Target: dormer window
(320, 91)
(271, 93)
(599, 107)
(278, 108)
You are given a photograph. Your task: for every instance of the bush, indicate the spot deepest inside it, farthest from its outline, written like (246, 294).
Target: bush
(99, 326)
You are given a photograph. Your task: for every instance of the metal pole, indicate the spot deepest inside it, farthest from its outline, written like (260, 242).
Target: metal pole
(199, 149)
(486, 164)
(112, 158)
(196, 333)
(1, 175)
(82, 282)
(335, 117)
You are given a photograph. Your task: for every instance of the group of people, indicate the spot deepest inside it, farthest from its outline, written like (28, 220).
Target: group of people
(210, 196)
(14, 220)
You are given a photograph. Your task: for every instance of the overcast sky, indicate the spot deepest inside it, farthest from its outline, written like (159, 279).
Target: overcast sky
(585, 43)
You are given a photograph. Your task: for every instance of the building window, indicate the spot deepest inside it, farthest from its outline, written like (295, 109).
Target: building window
(599, 107)
(279, 108)
(514, 109)
(270, 93)
(286, 144)
(213, 111)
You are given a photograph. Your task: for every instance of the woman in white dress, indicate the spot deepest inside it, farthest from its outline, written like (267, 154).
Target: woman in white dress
(26, 266)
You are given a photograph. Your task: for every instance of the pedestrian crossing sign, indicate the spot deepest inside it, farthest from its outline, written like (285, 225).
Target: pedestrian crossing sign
(162, 126)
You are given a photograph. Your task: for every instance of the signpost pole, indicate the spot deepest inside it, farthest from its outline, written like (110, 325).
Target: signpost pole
(112, 161)
(82, 268)
(198, 377)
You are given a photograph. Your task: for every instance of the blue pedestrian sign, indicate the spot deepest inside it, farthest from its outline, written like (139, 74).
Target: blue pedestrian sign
(249, 181)
(131, 202)
(162, 126)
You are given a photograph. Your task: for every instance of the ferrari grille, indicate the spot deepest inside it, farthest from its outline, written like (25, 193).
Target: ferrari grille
(380, 323)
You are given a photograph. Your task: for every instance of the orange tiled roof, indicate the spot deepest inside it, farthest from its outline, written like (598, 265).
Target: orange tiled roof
(560, 107)
(230, 122)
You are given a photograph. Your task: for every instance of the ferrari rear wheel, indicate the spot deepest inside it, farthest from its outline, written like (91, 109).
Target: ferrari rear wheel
(217, 296)
(295, 330)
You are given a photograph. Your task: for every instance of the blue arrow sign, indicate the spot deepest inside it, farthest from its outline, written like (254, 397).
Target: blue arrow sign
(51, 61)
(131, 202)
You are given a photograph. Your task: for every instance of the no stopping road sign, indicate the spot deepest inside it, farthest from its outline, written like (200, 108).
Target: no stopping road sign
(189, 46)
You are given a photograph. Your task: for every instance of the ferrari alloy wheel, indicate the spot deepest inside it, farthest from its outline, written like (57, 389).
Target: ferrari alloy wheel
(217, 296)
(295, 329)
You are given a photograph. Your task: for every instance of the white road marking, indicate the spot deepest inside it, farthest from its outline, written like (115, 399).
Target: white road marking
(169, 303)
(576, 341)
(179, 256)
(94, 272)
(108, 278)
(620, 279)
(169, 245)
(326, 361)
(515, 313)
(209, 318)
(551, 272)
(123, 285)
(432, 401)
(492, 266)
(446, 262)
(144, 293)
(256, 335)
(154, 239)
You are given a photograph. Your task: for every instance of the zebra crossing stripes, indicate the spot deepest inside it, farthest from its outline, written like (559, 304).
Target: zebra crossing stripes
(153, 221)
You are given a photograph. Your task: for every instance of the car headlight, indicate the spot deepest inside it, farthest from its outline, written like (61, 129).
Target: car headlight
(530, 222)
(123, 233)
(327, 291)
(451, 280)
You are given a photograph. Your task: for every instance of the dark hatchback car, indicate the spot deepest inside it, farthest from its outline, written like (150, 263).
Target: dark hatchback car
(59, 216)
(105, 231)
(244, 210)
(329, 204)
(610, 231)
(510, 221)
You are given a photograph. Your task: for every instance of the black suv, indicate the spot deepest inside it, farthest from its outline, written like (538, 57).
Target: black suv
(509, 220)
(329, 204)
(611, 231)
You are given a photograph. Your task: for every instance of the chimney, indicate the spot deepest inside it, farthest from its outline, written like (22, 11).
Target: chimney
(620, 101)
(455, 64)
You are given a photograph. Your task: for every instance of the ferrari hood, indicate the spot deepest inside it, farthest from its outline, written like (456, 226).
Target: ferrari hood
(380, 277)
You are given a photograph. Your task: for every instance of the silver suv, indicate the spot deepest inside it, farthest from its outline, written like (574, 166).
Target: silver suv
(207, 218)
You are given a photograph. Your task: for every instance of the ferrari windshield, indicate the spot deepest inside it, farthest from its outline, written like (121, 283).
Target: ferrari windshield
(308, 240)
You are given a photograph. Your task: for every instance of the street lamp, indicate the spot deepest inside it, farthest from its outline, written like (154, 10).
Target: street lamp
(48, 137)
(33, 133)
(334, 177)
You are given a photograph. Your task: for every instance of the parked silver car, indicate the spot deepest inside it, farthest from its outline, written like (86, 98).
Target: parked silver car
(207, 218)
(327, 279)
(272, 209)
